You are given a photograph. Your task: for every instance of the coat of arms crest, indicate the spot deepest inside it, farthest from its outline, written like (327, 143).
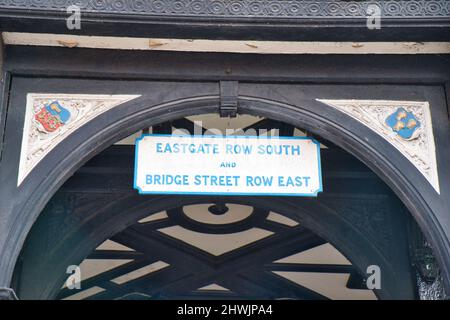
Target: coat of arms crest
(52, 116)
(403, 123)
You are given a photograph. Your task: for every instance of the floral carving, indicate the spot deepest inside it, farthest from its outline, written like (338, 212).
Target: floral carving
(420, 150)
(39, 140)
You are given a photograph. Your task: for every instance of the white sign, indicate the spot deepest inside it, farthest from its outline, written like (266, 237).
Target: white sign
(239, 165)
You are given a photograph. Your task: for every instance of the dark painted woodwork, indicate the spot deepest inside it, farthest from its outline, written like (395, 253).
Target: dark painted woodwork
(283, 88)
(447, 95)
(100, 194)
(241, 20)
(181, 66)
(228, 99)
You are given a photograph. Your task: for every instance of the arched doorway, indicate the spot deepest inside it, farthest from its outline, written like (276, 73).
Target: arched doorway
(161, 100)
(163, 256)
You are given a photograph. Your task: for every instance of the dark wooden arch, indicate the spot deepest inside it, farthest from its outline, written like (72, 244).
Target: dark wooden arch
(311, 115)
(318, 216)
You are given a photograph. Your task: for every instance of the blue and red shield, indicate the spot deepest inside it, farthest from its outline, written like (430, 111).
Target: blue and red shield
(52, 116)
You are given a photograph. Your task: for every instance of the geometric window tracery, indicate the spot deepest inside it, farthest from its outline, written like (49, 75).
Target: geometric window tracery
(146, 262)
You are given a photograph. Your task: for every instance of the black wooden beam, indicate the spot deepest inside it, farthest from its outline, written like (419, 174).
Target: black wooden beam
(104, 277)
(303, 267)
(115, 254)
(194, 66)
(190, 126)
(243, 262)
(282, 287)
(447, 96)
(247, 20)
(163, 128)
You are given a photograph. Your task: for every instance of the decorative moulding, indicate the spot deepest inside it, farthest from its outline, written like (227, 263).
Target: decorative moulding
(243, 8)
(50, 118)
(410, 132)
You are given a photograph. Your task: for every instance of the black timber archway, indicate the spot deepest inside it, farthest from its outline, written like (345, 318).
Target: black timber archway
(413, 77)
(92, 217)
(97, 203)
(311, 115)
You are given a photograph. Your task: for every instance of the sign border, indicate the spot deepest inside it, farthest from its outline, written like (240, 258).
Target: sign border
(136, 146)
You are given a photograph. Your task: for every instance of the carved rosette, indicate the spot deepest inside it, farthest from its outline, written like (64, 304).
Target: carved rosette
(38, 139)
(420, 150)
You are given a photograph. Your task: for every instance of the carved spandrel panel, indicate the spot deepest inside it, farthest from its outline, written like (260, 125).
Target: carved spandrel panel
(410, 132)
(50, 118)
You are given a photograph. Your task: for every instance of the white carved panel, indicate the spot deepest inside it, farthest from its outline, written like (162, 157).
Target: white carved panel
(419, 150)
(37, 141)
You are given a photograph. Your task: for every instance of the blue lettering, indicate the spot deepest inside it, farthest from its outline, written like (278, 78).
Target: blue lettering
(259, 181)
(295, 149)
(167, 179)
(238, 149)
(261, 149)
(247, 149)
(306, 180)
(289, 182)
(227, 164)
(296, 181)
